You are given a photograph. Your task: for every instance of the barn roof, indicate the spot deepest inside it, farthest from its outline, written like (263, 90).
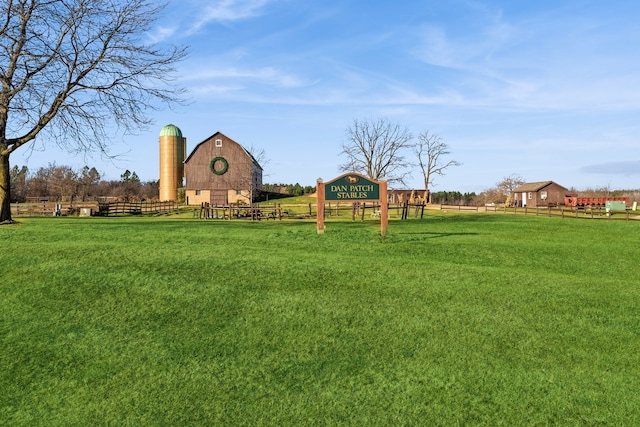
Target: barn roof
(220, 133)
(534, 186)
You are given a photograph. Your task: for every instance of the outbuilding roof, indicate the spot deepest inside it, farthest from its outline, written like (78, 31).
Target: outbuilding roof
(534, 186)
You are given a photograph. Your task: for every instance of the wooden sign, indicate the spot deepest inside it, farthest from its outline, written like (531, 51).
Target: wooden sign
(352, 187)
(355, 188)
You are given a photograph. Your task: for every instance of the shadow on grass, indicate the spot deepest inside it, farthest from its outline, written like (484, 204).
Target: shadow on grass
(435, 234)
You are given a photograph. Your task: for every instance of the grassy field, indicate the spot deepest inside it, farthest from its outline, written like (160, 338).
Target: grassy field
(455, 319)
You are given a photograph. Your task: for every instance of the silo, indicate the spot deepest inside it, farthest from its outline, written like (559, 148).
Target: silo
(173, 148)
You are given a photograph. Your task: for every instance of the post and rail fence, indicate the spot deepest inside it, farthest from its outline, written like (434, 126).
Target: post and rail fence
(357, 210)
(47, 208)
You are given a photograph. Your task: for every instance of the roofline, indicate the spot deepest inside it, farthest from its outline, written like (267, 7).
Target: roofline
(255, 162)
(538, 186)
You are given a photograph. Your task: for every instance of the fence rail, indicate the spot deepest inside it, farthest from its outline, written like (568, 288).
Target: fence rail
(50, 208)
(135, 208)
(113, 208)
(282, 211)
(589, 212)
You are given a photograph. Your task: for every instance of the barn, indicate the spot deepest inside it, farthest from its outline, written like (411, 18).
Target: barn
(534, 194)
(219, 171)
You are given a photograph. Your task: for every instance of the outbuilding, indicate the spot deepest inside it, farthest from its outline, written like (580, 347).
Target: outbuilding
(534, 194)
(219, 171)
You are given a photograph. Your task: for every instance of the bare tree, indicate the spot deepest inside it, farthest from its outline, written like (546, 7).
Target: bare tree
(509, 183)
(430, 150)
(76, 69)
(248, 185)
(503, 190)
(63, 183)
(260, 162)
(19, 183)
(260, 156)
(376, 149)
(39, 183)
(88, 179)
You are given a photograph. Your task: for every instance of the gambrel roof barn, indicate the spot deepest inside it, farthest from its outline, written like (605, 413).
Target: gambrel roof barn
(220, 171)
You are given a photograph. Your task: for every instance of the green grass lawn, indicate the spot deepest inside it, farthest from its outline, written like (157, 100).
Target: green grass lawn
(455, 319)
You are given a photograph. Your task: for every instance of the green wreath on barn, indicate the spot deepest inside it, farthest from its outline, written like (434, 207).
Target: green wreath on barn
(223, 169)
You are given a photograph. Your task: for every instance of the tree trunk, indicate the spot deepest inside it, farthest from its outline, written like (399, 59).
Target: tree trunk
(5, 191)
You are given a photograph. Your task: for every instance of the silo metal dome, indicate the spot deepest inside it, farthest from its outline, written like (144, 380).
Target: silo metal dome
(171, 130)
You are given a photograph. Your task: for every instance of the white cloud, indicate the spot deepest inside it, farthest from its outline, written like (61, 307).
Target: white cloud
(162, 33)
(548, 61)
(239, 84)
(214, 89)
(227, 11)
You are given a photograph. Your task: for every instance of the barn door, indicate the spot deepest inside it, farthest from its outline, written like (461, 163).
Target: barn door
(219, 198)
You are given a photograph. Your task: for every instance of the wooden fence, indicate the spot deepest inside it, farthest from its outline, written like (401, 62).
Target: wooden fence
(283, 211)
(32, 209)
(135, 208)
(93, 208)
(589, 212)
(491, 208)
(286, 211)
(50, 208)
(254, 212)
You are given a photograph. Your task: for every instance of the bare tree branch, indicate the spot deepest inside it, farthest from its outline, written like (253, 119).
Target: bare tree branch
(375, 148)
(429, 150)
(76, 69)
(509, 183)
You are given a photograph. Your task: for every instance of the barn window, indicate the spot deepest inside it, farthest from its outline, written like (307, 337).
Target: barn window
(530, 195)
(218, 143)
(198, 192)
(543, 195)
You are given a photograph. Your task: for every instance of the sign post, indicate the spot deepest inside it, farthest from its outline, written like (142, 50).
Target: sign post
(355, 188)
(320, 215)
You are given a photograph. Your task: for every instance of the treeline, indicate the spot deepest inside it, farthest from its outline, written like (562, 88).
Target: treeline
(453, 198)
(64, 184)
(289, 189)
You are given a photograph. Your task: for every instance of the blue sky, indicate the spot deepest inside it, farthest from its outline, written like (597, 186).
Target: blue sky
(548, 90)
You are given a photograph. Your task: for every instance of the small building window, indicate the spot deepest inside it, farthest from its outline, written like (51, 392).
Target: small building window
(198, 192)
(530, 195)
(218, 143)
